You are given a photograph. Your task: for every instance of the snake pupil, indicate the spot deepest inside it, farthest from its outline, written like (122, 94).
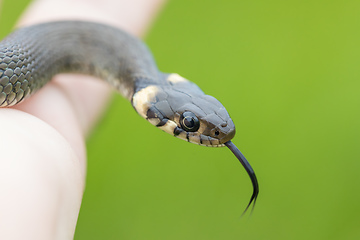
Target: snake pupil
(189, 122)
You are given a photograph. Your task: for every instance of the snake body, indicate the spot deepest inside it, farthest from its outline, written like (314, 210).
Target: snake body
(31, 56)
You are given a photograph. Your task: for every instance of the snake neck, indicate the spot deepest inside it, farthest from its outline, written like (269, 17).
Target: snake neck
(39, 52)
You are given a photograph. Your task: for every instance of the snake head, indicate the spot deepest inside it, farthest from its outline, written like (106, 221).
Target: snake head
(180, 108)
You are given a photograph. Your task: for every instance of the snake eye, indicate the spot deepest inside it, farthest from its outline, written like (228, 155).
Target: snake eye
(189, 122)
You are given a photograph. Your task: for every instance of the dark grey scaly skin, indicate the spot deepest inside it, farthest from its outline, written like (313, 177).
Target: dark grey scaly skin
(31, 56)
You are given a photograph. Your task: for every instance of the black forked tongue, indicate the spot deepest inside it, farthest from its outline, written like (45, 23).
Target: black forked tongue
(249, 170)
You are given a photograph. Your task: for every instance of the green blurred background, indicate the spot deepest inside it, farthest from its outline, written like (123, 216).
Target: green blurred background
(286, 71)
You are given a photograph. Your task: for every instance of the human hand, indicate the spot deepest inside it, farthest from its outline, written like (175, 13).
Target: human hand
(43, 159)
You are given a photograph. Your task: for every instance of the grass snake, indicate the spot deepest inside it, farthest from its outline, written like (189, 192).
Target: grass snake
(31, 56)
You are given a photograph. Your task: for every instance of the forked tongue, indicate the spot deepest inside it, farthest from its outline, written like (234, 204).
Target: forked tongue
(249, 170)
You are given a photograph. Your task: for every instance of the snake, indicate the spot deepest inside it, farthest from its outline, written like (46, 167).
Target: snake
(31, 56)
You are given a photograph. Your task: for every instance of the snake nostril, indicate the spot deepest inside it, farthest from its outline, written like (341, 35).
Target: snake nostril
(216, 133)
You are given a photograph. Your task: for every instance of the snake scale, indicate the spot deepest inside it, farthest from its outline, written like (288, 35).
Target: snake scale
(31, 56)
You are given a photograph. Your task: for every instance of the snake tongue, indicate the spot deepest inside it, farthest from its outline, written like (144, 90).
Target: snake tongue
(249, 170)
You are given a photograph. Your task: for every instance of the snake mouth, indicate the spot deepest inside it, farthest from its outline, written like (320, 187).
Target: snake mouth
(250, 172)
(227, 137)
(197, 138)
